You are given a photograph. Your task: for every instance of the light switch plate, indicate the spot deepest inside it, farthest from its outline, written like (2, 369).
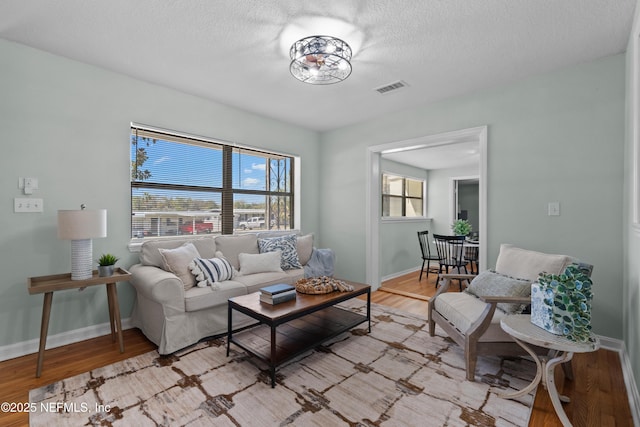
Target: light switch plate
(554, 208)
(21, 205)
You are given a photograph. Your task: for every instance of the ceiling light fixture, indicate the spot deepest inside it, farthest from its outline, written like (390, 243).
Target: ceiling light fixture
(320, 60)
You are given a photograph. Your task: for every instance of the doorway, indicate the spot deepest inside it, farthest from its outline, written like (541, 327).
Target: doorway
(374, 155)
(465, 202)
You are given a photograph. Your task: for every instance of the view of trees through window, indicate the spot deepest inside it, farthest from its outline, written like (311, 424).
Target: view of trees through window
(189, 185)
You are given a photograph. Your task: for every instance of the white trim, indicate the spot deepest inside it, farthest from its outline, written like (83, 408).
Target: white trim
(453, 197)
(634, 47)
(627, 372)
(401, 273)
(31, 346)
(405, 219)
(372, 219)
(373, 193)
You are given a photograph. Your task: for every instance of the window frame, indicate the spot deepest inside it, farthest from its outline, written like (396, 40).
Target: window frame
(226, 191)
(403, 198)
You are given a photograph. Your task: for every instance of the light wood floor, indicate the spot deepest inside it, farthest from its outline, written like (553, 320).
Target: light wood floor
(598, 395)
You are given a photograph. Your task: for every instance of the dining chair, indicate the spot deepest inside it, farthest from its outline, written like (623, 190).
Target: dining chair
(451, 254)
(423, 239)
(471, 251)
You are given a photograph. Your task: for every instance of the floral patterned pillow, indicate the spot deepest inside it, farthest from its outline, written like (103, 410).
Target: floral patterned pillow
(287, 245)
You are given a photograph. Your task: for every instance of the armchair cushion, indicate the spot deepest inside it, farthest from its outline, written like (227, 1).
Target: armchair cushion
(463, 309)
(525, 264)
(490, 283)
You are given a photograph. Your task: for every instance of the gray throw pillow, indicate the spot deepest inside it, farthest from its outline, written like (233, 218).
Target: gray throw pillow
(490, 283)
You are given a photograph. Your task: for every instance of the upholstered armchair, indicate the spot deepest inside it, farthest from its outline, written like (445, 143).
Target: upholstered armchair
(472, 318)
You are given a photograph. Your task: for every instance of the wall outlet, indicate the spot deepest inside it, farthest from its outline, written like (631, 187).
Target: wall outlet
(21, 205)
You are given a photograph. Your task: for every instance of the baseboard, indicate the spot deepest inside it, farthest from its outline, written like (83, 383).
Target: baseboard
(627, 373)
(401, 273)
(31, 346)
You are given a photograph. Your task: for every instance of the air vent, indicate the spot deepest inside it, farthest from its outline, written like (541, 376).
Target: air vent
(391, 87)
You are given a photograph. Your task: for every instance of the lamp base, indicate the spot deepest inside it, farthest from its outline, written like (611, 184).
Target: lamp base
(81, 259)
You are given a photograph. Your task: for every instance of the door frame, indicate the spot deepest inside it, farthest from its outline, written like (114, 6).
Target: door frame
(453, 194)
(373, 192)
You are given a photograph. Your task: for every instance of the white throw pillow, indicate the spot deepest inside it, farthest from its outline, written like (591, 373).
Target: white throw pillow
(177, 262)
(259, 263)
(210, 271)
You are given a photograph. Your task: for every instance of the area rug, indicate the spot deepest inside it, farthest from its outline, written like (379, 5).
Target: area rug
(396, 375)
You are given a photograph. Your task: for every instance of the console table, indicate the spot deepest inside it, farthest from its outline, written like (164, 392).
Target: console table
(524, 332)
(59, 282)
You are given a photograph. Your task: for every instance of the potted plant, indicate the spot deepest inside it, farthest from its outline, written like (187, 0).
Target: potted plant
(461, 227)
(105, 264)
(561, 304)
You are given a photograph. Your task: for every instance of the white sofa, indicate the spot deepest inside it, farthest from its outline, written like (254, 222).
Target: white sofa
(173, 314)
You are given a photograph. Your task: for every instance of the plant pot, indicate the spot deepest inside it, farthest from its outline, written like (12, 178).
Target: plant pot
(105, 270)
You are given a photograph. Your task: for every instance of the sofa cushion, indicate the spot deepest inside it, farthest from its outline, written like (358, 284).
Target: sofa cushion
(203, 298)
(208, 272)
(462, 309)
(525, 264)
(259, 263)
(232, 246)
(150, 254)
(490, 283)
(177, 261)
(287, 246)
(304, 246)
(254, 282)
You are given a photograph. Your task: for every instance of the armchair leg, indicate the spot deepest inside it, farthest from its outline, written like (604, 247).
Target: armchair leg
(470, 365)
(432, 327)
(470, 359)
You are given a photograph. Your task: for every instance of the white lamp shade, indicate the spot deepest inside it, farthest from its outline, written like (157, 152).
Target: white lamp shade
(82, 224)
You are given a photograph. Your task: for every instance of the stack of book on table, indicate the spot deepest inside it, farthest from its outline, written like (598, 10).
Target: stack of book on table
(275, 294)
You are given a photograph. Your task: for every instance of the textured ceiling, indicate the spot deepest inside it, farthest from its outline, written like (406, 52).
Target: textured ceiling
(230, 51)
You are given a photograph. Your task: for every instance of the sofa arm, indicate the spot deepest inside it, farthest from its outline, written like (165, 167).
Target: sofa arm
(158, 285)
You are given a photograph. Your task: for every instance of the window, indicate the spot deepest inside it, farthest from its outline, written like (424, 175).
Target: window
(183, 184)
(402, 196)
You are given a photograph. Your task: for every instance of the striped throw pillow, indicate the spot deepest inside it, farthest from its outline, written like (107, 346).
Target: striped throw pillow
(208, 272)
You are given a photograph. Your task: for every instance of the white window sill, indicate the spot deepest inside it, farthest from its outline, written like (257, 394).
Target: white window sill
(391, 219)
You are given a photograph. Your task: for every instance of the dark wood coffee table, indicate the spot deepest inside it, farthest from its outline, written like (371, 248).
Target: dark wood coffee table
(288, 329)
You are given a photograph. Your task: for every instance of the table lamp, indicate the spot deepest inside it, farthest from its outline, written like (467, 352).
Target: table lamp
(80, 226)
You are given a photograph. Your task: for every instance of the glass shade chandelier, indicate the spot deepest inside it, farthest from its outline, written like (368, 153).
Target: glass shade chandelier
(320, 60)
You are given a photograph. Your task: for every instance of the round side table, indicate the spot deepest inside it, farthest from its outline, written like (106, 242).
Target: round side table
(524, 332)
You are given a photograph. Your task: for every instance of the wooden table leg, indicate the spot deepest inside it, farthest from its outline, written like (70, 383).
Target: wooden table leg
(111, 317)
(551, 386)
(536, 379)
(44, 328)
(114, 313)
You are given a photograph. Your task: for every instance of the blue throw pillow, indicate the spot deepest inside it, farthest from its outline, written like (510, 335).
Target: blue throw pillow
(287, 245)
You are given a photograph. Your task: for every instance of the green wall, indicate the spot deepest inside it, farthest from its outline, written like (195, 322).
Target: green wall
(67, 124)
(553, 137)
